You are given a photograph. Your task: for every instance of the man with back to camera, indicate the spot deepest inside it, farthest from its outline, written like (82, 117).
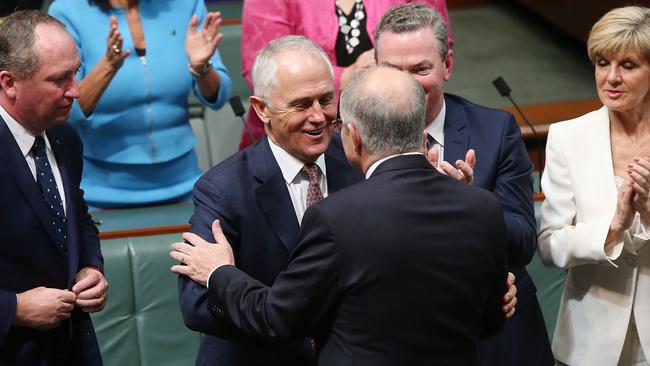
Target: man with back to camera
(405, 268)
(50, 259)
(485, 147)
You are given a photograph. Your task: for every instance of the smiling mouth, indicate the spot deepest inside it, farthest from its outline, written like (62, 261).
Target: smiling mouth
(315, 132)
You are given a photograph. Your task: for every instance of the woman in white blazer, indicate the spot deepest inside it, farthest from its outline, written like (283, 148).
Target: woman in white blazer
(596, 217)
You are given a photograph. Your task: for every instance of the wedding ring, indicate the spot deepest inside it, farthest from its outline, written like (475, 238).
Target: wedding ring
(116, 49)
(209, 38)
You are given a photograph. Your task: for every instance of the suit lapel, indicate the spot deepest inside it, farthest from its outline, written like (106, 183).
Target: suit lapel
(456, 135)
(337, 166)
(20, 173)
(272, 195)
(601, 153)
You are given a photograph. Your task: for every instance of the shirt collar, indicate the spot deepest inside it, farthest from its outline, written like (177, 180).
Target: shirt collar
(289, 165)
(374, 165)
(23, 137)
(437, 126)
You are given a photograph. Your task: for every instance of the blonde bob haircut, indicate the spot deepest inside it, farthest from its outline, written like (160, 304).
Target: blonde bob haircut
(625, 29)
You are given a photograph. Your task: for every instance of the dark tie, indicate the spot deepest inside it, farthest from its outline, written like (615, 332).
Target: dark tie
(314, 194)
(45, 179)
(431, 142)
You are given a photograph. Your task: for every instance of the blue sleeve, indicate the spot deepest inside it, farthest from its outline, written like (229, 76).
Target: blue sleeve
(7, 312)
(209, 205)
(225, 85)
(514, 189)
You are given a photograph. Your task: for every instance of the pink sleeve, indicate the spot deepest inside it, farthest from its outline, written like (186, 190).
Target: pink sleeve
(262, 22)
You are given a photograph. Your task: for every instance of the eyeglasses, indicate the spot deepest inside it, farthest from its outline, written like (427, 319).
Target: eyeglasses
(336, 124)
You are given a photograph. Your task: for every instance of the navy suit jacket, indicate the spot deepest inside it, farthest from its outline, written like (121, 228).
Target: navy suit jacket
(503, 167)
(405, 268)
(30, 258)
(248, 194)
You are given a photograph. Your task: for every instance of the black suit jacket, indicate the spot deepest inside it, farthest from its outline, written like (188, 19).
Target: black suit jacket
(406, 268)
(503, 167)
(248, 194)
(30, 258)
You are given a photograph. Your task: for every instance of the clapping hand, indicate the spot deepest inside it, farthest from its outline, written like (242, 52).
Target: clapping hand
(201, 44)
(115, 55)
(464, 170)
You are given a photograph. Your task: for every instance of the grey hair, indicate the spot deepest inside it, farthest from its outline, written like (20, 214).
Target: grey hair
(389, 122)
(17, 36)
(265, 67)
(407, 18)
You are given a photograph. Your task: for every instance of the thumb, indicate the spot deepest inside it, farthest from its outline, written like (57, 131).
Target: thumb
(217, 232)
(470, 158)
(432, 156)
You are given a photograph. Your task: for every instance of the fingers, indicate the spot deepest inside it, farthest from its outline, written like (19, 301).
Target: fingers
(212, 22)
(86, 282)
(219, 237)
(639, 173)
(193, 239)
(466, 170)
(451, 171)
(194, 21)
(509, 314)
(432, 156)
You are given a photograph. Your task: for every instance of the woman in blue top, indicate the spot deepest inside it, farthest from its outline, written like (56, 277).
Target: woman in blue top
(133, 113)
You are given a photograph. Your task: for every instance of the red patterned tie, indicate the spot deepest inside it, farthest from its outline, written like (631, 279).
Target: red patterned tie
(314, 195)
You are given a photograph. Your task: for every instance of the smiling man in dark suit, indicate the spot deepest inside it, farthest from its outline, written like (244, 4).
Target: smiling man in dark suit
(50, 260)
(405, 268)
(261, 193)
(481, 146)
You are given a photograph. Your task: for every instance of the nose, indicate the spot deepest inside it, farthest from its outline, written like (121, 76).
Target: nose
(73, 89)
(613, 75)
(316, 113)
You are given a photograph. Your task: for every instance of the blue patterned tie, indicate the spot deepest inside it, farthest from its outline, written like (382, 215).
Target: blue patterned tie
(45, 179)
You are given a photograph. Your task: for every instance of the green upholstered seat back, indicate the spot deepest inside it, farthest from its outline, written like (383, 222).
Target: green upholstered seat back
(142, 324)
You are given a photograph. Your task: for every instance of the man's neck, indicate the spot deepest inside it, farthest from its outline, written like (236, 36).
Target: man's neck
(8, 107)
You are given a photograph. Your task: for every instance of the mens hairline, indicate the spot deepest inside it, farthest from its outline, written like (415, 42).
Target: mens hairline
(265, 67)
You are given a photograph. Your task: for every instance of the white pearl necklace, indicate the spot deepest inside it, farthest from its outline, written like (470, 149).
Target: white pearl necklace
(350, 31)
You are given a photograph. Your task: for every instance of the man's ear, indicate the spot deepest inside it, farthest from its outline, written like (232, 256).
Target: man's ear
(260, 108)
(449, 64)
(355, 137)
(8, 84)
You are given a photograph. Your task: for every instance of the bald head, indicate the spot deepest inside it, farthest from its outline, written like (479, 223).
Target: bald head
(387, 107)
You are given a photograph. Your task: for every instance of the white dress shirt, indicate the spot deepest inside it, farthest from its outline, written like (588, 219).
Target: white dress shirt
(297, 182)
(25, 140)
(374, 165)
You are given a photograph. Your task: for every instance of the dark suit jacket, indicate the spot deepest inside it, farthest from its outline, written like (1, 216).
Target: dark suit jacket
(247, 192)
(406, 268)
(30, 258)
(503, 167)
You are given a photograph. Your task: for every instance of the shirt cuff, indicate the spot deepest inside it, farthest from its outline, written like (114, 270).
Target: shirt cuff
(207, 283)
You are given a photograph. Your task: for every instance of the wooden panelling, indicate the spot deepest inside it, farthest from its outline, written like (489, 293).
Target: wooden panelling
(150, 231)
